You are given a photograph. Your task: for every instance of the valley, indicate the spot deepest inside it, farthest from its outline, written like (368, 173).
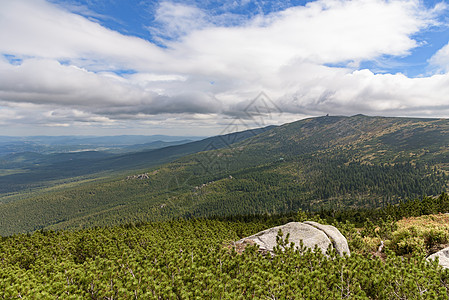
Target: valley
(163, 223)
(311, 164)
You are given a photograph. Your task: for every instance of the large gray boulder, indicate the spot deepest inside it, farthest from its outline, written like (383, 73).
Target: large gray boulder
(311, 233)
(443, 257)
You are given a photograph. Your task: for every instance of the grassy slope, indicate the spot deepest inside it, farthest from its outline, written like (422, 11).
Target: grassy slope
(327, 161)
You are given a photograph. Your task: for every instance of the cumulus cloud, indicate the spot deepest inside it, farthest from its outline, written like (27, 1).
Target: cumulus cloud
(40, 29)
(78, 71)
(369, 93)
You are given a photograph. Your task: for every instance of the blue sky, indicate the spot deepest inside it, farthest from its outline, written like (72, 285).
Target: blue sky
(135, 16)
(197, 67)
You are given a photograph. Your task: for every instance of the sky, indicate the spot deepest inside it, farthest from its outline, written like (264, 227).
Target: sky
(108, 67)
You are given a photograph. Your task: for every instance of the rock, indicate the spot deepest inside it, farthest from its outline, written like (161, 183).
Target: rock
(443, 257)
(339, 242)
(311, 233)
(139, 176)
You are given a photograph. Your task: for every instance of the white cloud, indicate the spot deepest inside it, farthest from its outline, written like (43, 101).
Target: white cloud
(364, 92)
(322, 32)
(8, 116)
(72, 64)
(174, 20)
(441, 59)
(47, 81)
(39, 29)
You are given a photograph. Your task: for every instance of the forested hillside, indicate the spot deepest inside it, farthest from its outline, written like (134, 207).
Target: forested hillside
(186, 259)
(312, 164)
(29, 170)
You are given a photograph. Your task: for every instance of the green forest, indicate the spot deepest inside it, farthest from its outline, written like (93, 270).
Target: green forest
(196, 259)
(163, 224)
(312, 164)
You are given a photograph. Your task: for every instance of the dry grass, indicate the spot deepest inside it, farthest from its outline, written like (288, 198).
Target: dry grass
(440, 221)
(426, 234)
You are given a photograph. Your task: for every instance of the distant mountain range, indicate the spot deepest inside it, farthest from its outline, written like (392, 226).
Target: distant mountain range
(27, 170)
(327, 162)
(59, 144)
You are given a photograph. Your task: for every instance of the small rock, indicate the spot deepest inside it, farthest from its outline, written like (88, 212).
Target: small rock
(139, 176)
(443, 257)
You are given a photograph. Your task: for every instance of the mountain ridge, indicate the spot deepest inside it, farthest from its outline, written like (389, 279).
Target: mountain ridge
(328, 162)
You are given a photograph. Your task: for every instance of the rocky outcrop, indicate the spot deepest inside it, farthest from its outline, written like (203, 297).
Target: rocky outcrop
(311, 233)
(443, 257)
(139, 176)
(339, 242)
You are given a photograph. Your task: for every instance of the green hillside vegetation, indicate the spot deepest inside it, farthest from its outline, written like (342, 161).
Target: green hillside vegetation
(313, 164)
(36, 171)
(186, 259)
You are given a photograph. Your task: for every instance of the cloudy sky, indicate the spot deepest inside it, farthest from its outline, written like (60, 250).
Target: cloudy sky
(204, 67)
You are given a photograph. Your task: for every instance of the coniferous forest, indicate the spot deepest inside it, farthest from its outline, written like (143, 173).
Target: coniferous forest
(196, 259)
(312, 164)
(167, 231)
